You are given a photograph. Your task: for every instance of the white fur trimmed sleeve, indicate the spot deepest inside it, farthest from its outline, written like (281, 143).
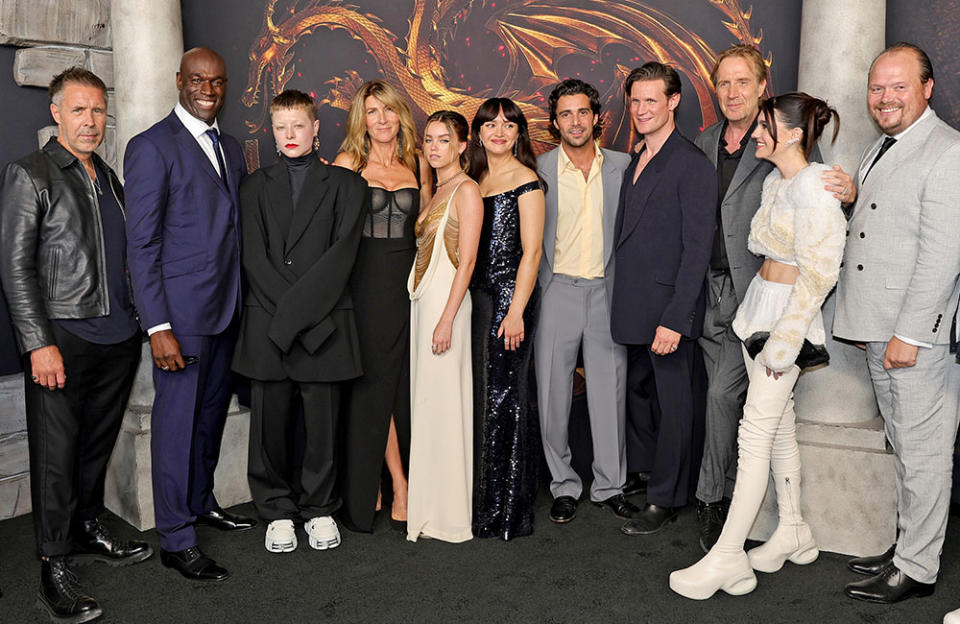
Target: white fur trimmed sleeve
(819, 238)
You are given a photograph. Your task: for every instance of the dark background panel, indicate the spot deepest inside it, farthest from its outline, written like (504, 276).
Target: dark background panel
(338, 47)
(26, 110)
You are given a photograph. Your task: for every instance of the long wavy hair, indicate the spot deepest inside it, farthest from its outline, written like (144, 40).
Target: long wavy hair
(477, 156)
(356, 143)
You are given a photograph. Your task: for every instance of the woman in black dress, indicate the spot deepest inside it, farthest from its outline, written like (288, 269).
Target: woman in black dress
(505, 300)
(380, 145)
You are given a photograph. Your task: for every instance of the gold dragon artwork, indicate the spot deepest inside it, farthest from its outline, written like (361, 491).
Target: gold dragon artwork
(535, 34)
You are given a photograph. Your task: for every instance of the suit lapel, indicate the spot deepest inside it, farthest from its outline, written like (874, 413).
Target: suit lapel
(611, 175)
(649, 179)
(279, 198)
(712, 143)
(312, 194)
(549, 173)
(900, 152)
(748, 163)
(192, 148)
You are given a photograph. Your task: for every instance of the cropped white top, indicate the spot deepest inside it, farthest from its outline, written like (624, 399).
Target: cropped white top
(798, 223)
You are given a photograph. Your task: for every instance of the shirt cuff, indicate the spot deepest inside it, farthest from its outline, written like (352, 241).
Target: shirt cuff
(160, 327)
(915, 343)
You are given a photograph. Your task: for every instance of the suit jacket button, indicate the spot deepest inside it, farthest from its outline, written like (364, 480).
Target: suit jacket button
(859, 267)
(287, 261)
(862, 235)
(848, 232)
(873, 206)
(841, 265)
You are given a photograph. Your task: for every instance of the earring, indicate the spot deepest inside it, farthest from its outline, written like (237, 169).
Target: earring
(316, 143)
(792, 141)
(278, 150)
(479, 142)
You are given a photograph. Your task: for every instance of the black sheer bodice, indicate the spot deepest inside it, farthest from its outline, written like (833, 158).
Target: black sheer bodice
(392, 214)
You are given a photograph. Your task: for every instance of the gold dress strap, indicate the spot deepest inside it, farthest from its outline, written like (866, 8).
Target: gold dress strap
(426, 232)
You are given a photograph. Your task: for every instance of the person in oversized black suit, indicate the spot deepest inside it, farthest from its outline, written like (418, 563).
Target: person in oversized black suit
(663, 235)
(301, 223)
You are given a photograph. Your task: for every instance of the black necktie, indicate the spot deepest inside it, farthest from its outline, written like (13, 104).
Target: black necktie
(222, 168)
(887, 144)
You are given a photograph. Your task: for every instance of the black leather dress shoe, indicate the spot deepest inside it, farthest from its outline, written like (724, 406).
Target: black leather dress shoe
(93, 542)
(193, 564)
(224, 521)
(872, 565)
(563, 509)
(61, 595)
(620, 506)
(890, 586)
(710, 517)
(636, 483)
(650, 520)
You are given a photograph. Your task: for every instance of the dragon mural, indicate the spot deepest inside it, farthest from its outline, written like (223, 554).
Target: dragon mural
(536, 36)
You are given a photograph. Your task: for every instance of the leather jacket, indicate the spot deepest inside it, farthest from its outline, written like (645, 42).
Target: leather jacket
(52, 257)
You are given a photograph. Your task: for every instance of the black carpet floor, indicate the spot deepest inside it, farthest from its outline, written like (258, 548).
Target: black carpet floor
(585, 571)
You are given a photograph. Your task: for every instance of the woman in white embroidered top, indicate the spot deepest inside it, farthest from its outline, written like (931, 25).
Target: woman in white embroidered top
(800, 229)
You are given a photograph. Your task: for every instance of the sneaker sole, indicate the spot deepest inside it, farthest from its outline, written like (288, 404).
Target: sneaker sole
(324, 544)
(86, 559)
(89, 616)
(280, 547)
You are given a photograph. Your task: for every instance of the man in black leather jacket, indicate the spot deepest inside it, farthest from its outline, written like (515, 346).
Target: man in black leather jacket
(63, 270)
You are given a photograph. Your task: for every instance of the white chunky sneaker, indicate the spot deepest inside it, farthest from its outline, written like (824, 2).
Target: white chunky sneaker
(323, 533)
(281, 536)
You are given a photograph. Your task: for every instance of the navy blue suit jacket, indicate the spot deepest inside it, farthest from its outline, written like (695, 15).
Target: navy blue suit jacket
(183, 230)
(664, 235)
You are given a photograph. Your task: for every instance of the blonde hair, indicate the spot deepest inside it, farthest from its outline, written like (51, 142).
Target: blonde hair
(356, 143)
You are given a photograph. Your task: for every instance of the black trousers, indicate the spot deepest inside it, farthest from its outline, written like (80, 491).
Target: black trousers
(71, 433)
(282, 487)
(665, 419)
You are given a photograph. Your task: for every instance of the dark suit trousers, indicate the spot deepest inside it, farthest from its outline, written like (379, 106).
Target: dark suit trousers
(665, 406)
(72, 432)
(282, 489)
(189, 413)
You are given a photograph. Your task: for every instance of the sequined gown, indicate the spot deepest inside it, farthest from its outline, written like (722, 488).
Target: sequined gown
(506, 429)
(441, 391)
(382, 311)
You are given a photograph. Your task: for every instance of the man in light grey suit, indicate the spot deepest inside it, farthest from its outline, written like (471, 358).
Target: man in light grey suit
(576, 279)
(739, 77)
(896, 297)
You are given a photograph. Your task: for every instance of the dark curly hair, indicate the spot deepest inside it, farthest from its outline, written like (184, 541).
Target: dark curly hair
(573, 86)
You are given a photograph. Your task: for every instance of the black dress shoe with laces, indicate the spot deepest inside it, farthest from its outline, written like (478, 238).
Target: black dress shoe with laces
(61, 595)
(650, 520)
(873, 565)
(889, 586)
(636, 483)
(92, 541)
(193, 564)
(563, 509)
(620, 506)
(710, 518)
(225, 521)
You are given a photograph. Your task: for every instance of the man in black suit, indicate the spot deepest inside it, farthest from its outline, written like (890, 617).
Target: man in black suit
(301, 222)
(663, 235)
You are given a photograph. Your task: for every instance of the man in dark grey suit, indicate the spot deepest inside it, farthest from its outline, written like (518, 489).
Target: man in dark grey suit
(739, 77)
(576, 278)
(896, 297)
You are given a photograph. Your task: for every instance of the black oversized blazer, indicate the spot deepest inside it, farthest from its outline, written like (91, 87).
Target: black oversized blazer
(297, 320)
(663, 242)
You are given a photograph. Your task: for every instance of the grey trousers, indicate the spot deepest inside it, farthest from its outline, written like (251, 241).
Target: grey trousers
(919, 409)
(726, 389)
(574, 312)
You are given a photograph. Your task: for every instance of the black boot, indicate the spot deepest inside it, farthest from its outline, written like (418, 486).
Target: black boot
(710, 516)
(92, 541)
(61, 595)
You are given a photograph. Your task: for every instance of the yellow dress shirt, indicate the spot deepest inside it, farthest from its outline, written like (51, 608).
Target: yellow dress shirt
(579, 245)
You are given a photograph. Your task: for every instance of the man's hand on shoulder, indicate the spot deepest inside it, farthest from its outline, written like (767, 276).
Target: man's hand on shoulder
(46, 365)
(839, 182)
(166, 350)
(900, 354)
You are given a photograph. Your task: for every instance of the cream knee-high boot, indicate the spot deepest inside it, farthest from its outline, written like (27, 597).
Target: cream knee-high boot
(792, 540)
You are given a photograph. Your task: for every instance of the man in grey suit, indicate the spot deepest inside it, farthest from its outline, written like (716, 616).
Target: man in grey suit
(739, 77)
(896, 297)
(576, 278)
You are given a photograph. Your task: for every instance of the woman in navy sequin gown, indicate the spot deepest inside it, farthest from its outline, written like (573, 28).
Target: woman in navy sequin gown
(505, 299)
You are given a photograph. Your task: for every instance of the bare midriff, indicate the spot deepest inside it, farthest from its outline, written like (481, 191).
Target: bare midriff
(773, 271)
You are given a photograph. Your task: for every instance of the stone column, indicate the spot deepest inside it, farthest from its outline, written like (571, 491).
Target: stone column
(848, 475)
(148, 44)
